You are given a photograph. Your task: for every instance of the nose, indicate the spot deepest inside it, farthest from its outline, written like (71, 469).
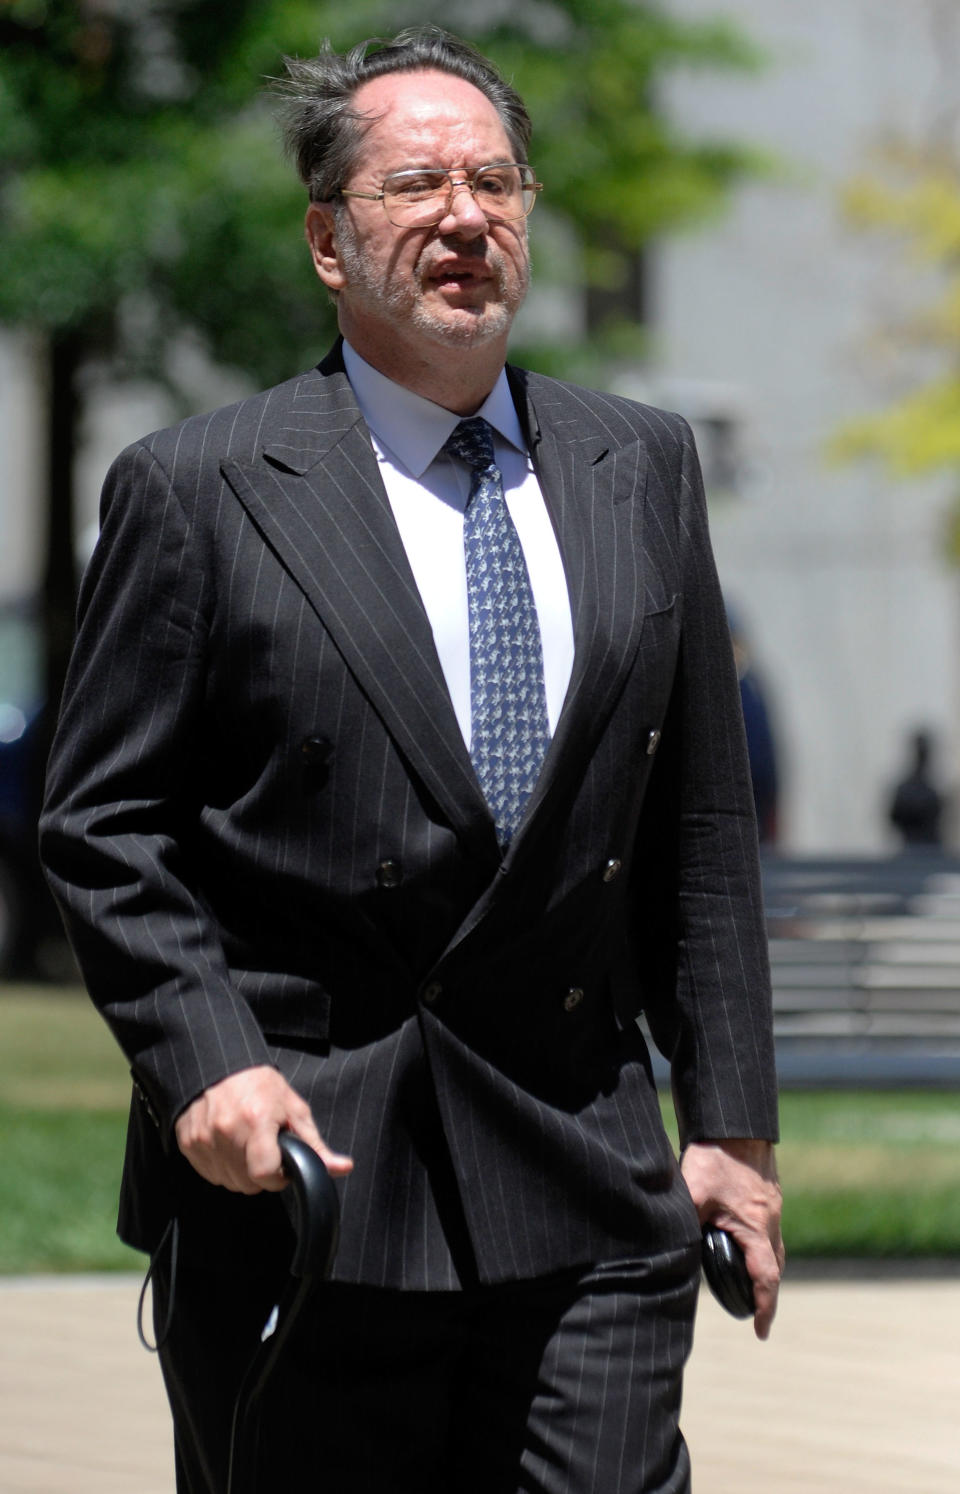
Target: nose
(465, 211)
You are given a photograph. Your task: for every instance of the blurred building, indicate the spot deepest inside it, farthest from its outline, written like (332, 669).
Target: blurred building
(761, 328)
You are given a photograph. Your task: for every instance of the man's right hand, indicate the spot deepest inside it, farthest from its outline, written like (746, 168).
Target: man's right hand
(229, 1133)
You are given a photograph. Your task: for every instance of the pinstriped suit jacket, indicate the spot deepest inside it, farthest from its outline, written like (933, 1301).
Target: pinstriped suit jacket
(266, 835)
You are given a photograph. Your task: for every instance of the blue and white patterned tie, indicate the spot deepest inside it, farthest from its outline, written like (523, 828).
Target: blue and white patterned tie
(510, 731)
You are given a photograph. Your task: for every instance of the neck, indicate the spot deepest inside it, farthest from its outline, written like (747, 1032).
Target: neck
(457, 378)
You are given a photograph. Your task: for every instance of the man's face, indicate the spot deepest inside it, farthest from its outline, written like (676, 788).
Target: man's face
(457, 284)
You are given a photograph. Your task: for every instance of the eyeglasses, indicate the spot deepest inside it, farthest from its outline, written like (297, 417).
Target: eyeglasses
(502, 191)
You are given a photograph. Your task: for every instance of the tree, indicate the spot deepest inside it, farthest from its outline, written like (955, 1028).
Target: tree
(915, 194)
(141, 202)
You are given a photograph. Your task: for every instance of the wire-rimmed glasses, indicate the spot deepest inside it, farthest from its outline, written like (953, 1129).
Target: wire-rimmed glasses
(504, 192)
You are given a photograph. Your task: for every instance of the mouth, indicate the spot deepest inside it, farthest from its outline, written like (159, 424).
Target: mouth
(458, 277)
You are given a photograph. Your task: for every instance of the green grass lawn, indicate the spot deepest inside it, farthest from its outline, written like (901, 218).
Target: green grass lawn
(64, 1090)
(871, 1173)
(864, 1174)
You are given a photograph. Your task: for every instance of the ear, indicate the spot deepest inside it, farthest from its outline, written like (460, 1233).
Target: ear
(321, 237)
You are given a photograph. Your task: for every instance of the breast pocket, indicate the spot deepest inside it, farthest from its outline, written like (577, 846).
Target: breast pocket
(661, 621)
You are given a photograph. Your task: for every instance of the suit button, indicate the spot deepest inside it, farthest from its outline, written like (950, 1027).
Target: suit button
(432, 992)
(389, 874)
(653, 742)
(572, 999)
(612, 869)
(316, 752)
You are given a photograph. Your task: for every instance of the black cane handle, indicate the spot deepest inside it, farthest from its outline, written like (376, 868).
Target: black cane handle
(313, 1206)
(726, 1271)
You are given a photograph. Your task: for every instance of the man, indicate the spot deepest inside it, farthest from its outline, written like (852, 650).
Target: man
(382, 821)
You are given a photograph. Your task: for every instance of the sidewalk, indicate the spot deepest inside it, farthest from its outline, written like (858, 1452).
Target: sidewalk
(856, 1393)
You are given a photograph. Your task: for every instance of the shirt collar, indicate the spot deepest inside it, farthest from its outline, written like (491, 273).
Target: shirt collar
(415, 428)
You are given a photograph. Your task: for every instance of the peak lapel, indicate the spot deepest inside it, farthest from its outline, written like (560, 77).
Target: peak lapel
(317, 499)
(595, 491)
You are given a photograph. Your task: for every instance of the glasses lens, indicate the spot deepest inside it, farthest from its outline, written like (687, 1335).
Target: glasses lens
(419, 199)
(503, 192)
(415, 199)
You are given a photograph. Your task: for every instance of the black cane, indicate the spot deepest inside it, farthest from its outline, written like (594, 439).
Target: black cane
(314, 1208)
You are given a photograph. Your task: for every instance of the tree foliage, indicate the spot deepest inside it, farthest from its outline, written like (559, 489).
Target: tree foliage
(140, 191)
(915, 196)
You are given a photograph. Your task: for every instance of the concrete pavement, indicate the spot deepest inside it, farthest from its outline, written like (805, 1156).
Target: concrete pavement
(855, 1392)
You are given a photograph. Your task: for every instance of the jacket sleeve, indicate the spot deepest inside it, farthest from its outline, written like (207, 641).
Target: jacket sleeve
(700, 936)
(110, 831)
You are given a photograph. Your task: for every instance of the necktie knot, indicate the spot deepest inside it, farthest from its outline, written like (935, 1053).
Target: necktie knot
(471, 442)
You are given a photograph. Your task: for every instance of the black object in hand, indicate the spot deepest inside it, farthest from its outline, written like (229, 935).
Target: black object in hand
(726, 1272)
(313, 1206)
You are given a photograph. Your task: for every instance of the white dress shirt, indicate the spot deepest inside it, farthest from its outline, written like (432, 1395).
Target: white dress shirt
(428, 494)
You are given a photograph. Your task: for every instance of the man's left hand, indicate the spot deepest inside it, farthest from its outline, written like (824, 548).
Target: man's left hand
(733, 1184)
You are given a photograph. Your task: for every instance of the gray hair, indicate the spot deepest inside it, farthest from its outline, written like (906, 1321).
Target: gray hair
(323, 133)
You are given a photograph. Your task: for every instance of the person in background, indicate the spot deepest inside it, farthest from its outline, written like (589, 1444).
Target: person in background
(916, 806)
(761, 740)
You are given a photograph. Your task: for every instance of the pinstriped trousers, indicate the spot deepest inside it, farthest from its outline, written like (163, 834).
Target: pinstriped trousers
(566, 1385)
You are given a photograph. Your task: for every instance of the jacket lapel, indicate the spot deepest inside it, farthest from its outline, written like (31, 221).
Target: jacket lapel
(595, 491)
(318, 501)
